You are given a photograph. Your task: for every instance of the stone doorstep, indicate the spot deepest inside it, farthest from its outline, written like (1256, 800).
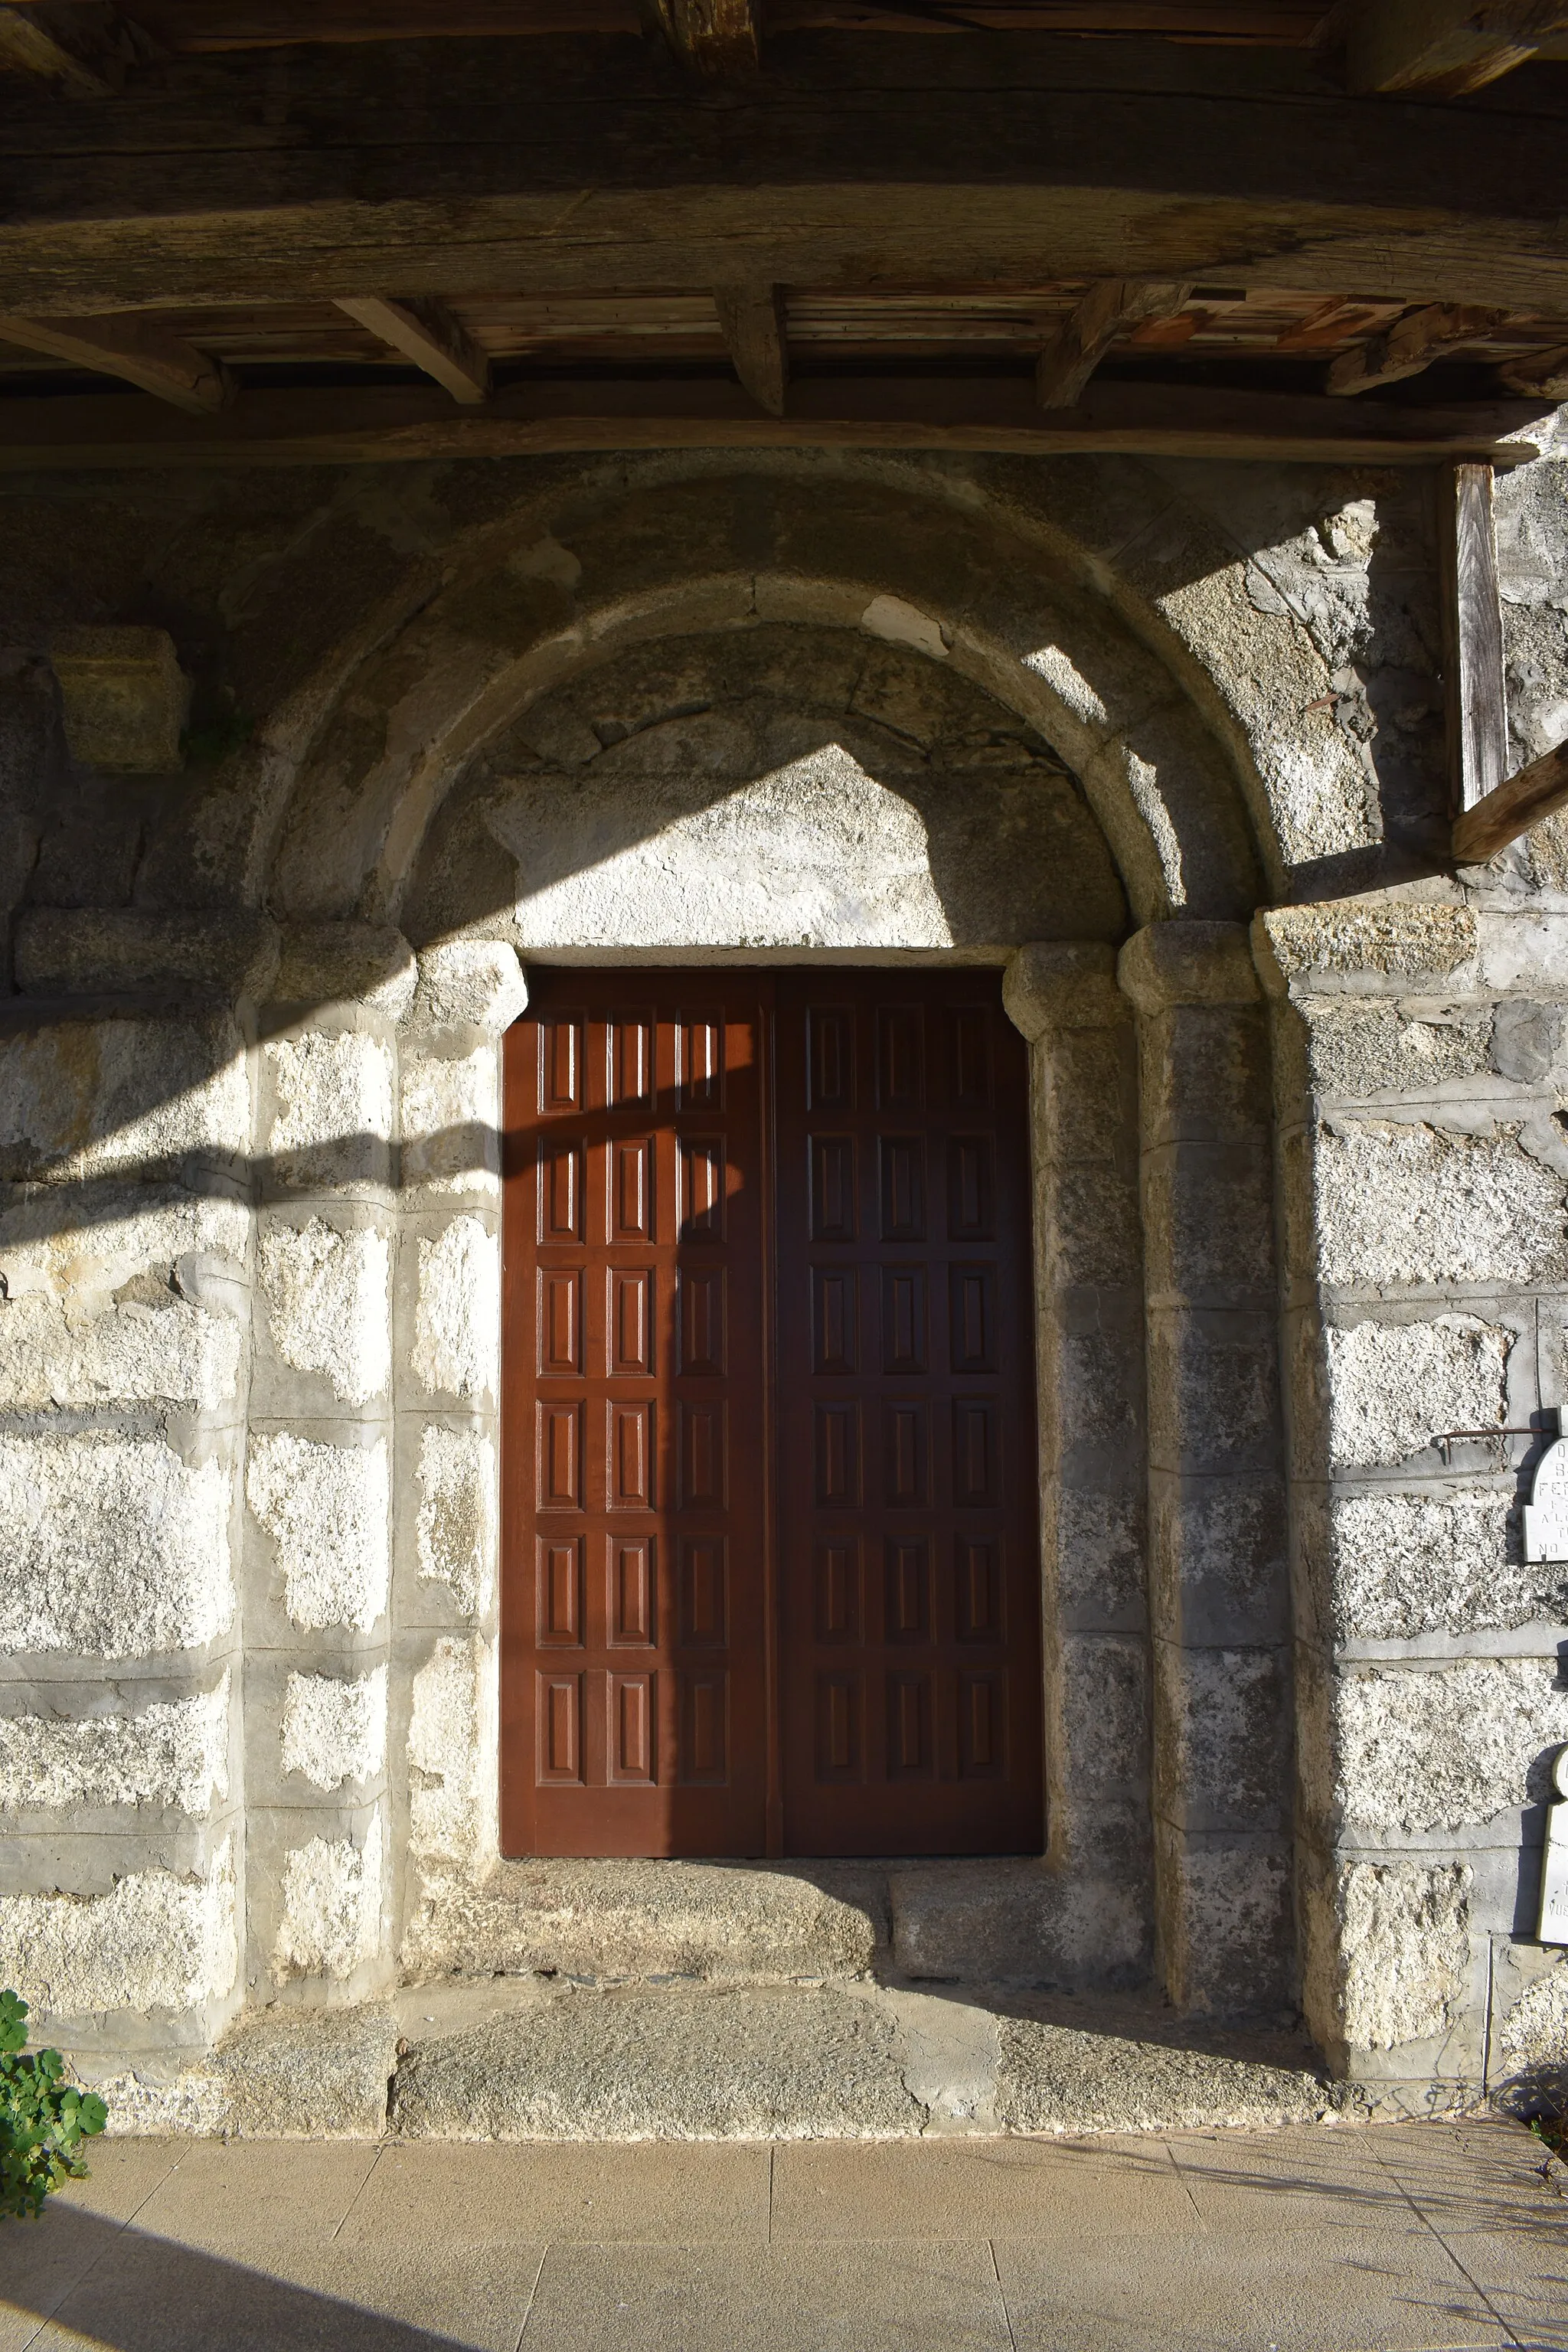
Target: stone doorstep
(1001, 1920)
(528, 2059)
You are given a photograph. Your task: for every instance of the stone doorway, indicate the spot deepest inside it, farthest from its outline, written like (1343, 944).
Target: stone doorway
(770, 1577)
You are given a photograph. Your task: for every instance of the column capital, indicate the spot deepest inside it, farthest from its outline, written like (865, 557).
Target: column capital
(1062, 984)
(1173, 964)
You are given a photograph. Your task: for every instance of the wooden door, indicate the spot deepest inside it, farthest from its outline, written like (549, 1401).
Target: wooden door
(634, 1625)
(908, 1553)
(770, 1561)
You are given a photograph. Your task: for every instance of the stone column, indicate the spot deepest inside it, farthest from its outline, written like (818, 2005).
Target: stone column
(1422, 1062)
(125, 1133)
(1096, 1926)
(446, 1609)
(319, 1469)
(1218, 1577)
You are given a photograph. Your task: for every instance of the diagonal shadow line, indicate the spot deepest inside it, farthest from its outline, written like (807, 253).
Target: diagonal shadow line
(131, 2292)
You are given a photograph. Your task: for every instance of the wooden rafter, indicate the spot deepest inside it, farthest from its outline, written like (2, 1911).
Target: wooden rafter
(1445, 48)
(424, 331)
(1511, 808)
(1107, 312)
(1541, 374)
(752, 321)
(559, 414)
(133, 349)
(1411, 344)
(717, 38)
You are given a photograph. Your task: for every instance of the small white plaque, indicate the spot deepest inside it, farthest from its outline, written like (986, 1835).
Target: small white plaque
(1546, 1513)
(1554, 1860)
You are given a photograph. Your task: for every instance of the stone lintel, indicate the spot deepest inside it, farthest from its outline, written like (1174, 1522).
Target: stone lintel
(1062, 984)
(90, 951)
(1177, 963)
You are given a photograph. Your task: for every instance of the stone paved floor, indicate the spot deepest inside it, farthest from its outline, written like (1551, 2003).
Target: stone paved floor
(1407, 2236)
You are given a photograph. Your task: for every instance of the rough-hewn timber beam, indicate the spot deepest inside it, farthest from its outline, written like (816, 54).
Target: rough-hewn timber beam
(894, 162)
(717, 38)
(131, 348)
(752, 321)
(82, 47)
(560, 414)
(1544, 374)
(1444, 47)
(424, 331)
(1107, 312)
(1511, 807)
(1476, 694)
(1411, 344)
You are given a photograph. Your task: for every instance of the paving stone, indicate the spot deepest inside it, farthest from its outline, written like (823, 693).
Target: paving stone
(229, 2193)
(973, 2189)
(590, 2191)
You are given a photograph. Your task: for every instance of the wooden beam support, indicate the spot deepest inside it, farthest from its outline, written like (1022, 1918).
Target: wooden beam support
(1475, 691)
(359, 175)
(424, 331)
(560, 414)
(752, 321)
(1512, 808)
(1412, 343)
(133, 349)
(1107, 311)
(83, 46)
(1444, 48)
(719, 39)
(1543, 375)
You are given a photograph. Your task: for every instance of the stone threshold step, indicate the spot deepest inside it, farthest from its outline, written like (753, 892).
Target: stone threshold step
(528, 2060)
(1002, 1920)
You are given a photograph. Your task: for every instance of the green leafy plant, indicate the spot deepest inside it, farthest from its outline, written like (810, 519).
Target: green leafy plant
(43, 2119)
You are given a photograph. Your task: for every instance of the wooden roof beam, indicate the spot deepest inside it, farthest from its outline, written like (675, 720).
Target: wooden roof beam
(134, 349)
(1107, 312)
(425, 332)
(1444, 48)
(752, 321)
(1409, 345)
(719, 39)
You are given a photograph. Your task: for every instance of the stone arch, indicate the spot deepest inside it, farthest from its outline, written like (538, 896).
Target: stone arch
(564, 583)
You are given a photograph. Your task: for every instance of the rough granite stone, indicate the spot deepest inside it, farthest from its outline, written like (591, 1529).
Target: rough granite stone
(1445, 1747)
(327, 1511)
(1055, 2078)
(1418, 1203)
(455, 1532)
(82, 1099)
(146, 1352)
(457, 1332)
(155, 1942)
(346, 963)
(1439, 1562)
(1404, 1949)
(332, 1116)
(1017, 1923)
(175, 1752)
(111, 1547)
(770, 2063)
(1356, 1050)
(610, 1919)
(447, 1809)
(307, 2073)
(1393, 1387)
(335, 1730)
(326, 1296)
(450, 1123)
(465, 983)
(330, 1920)
(1409, 941)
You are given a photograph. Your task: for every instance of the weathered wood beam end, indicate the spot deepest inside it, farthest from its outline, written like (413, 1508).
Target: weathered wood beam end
(134, 349)
(1107, 312)
(1536, 792)
(719, 39)
(1443, 48)
(752, 321)
(85, 48)
(425, 332)
(1476, 695)
(1409, 346)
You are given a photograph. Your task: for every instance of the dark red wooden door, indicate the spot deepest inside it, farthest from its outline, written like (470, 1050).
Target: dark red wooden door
(770, 1562)
(908, 1558)
(635, 1618)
